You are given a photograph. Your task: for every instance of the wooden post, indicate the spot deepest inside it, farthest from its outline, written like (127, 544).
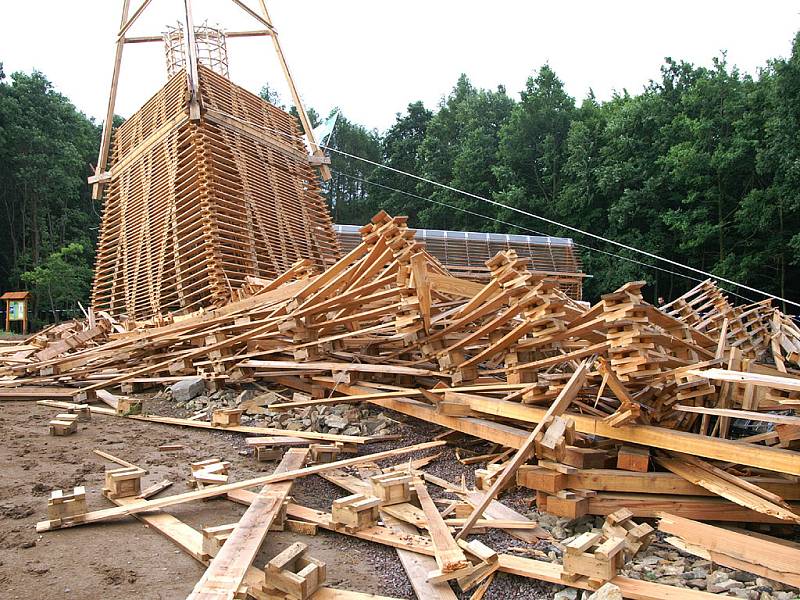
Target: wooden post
(315, 149)
(105, 143)
(191, 64)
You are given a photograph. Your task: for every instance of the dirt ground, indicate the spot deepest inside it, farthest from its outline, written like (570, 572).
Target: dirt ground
(125, 558)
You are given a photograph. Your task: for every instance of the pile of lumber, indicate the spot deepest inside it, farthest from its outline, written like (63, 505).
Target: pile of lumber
(617, 405)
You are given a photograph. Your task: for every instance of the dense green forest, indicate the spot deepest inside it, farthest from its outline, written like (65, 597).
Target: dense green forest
(702, 167)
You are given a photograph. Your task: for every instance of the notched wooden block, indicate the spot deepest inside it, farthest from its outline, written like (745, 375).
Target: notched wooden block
(294, 572)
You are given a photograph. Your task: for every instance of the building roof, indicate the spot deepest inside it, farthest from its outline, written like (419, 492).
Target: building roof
(464, 253)
(470, 249)
(15, 296)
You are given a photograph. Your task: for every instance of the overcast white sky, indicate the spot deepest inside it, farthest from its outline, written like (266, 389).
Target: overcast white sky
(371, 58)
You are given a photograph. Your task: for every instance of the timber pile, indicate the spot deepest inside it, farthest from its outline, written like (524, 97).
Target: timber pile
(618, 408)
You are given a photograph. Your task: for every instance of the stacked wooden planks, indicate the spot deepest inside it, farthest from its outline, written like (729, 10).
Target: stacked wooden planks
(193, 208)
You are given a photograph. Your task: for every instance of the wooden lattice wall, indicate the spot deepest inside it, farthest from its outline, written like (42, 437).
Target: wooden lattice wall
(192, 208)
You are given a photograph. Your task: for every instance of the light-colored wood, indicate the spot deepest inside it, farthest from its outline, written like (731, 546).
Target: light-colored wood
(228, 568)
(210, 492)
(449, 555)
(728, 487)
(771, 559)
(740, 414)
(565, 397)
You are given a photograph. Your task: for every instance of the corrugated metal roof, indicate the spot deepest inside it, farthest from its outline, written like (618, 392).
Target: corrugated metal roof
(474, 235)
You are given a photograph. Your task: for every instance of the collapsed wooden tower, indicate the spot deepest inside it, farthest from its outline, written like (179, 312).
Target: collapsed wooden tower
(192, 208)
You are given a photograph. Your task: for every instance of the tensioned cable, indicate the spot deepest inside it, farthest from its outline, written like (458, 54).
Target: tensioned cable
(496, 220)
(553, 222)
(565, 226)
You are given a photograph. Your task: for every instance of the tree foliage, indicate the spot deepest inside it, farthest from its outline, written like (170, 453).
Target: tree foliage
(62, 280)
(46, 151)
(702, 166)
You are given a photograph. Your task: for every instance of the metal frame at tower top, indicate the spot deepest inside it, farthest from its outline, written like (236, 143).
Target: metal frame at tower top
(101, 174)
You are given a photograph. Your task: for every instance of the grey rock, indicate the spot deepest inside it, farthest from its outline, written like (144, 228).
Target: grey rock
(352, 430)
(244, 396)
(743, 576)
(186, 389)
(724, 586)
(608, 591)
(566, 594)
(335, 421)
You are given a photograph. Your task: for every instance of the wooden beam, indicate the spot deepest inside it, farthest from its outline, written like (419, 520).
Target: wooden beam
(559, 405)
(301, 111)
(228, 568)
(635, 589)
(193, 79)
(791, 384)
(750, 415)
(219, 490)
(615, 480)
(715, 481)
(449, 555)
(105, 139)
(309, 435)
(701, 508)
(770, 559)
(772, 459)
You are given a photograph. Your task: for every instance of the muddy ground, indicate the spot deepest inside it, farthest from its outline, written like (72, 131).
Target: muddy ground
(125, 558)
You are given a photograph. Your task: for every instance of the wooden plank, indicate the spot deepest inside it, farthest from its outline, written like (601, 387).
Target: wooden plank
(691, 507)
(726, 488)
(228, 568)
(770, 559)
(614, 480)
(417, 566)
(212, 491)
(791, 384)
(498, 510)
(631, 588)
(449, 555)
(772, 459)
(740, 414)
(559, 405)
(119, 461)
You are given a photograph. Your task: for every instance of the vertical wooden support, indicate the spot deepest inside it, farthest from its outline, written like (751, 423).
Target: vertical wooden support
(105, 143)
(315, 149)
(191, 64)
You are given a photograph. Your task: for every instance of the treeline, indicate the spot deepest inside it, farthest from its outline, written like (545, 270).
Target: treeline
(701, 167)
(48, 221)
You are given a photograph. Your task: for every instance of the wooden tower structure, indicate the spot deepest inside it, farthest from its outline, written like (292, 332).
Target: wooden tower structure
(206, 185)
